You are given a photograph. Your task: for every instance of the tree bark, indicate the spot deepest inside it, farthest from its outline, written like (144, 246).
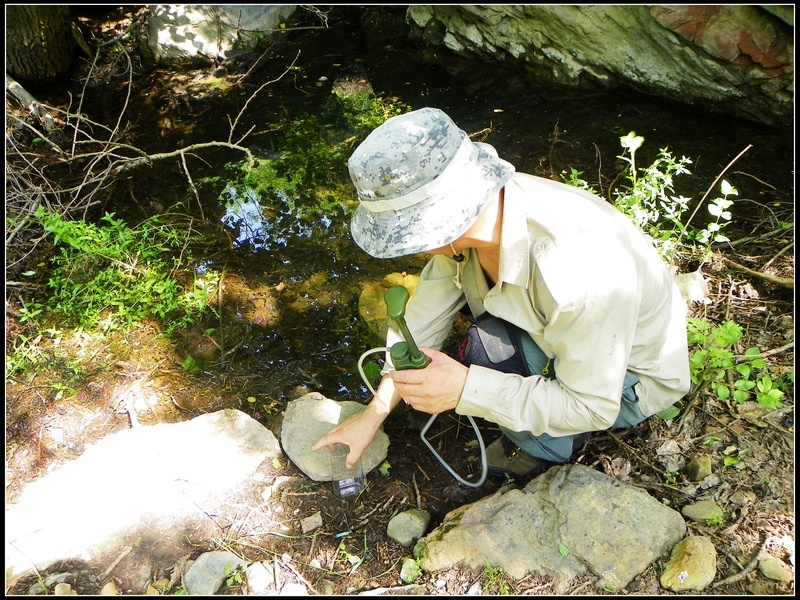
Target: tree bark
(40, 45)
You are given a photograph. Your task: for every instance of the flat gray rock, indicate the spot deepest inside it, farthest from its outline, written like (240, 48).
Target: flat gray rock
(307, 419)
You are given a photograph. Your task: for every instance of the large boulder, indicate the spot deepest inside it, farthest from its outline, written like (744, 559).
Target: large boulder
(734, 58)
(569, 521)
(307, 419)
(209, 32)
(140, 495)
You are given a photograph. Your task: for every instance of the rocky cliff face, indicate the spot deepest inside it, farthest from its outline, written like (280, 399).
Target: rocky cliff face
(736, 59)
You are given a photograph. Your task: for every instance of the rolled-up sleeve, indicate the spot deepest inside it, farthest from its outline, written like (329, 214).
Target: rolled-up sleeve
(433, 307)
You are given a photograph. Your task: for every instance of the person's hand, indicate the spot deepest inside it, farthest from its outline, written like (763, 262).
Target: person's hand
(356, 432)
(434, 389)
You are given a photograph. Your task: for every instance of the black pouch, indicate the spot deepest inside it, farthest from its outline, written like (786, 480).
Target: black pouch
(494, 343)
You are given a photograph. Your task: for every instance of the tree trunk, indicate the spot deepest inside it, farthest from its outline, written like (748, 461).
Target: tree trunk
(39, 42)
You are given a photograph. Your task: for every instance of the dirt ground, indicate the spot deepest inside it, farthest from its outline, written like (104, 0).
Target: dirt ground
(138, 375)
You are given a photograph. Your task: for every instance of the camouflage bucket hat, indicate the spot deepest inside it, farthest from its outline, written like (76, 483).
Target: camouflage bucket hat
(421, 183)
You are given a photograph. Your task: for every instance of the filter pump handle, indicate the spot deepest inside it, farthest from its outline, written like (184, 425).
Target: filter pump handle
(406, 355)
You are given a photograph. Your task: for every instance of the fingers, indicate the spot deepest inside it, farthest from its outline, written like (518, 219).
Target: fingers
(402, 377)
(355, 432)
(325, 441)
(419, 376)
(410, 376)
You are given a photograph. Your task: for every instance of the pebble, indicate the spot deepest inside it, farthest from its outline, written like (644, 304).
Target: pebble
(408, 526)
(311, 523)
(692, 565)
(109, 589)
(702, 511)
(774, 569)
(410, 571)
(699, 468)
(64, 589)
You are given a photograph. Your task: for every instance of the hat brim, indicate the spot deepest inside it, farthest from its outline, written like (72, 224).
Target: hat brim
(439, 219)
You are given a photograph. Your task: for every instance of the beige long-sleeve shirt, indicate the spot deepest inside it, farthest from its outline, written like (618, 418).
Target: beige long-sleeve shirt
(591, 291)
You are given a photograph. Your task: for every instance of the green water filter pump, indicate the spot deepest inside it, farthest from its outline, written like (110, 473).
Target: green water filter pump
(406, 355)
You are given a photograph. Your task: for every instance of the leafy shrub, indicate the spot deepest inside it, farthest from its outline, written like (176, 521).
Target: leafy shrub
(713, 363)
(110, 275)
(650, 202)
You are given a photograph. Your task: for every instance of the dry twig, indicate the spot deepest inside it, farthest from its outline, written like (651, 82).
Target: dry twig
(744, 572)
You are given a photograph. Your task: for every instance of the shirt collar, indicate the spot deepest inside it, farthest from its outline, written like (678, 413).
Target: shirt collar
(514, 251)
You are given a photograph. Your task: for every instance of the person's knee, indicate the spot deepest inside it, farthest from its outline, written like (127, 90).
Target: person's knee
(545, 447)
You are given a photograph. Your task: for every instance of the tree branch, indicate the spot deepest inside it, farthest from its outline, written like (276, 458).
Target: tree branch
(132, 163)
(781, 281)
(31, 105)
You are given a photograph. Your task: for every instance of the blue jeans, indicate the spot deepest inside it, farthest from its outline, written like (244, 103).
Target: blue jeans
(497, 344)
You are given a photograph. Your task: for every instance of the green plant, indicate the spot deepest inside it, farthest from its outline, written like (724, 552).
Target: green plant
(372, 370)
(719, 210)
(670, 412)
(712, 363)
(671, 477)
(109, 275)
(307, 182)
(767, 394)
(30, 311)
(190, 365)
(731, 460)
(233, 576)
(496, 582)
(649, 201)
(26, 353)
(352, 559)
(60, 389)
(715, 521)
(574, 178)
(364, 111)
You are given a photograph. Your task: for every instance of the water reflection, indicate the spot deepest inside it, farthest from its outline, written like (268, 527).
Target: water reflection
(244, 213)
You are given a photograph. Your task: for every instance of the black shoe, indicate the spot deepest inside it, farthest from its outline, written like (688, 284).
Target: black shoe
(580, 441)
(503, 457)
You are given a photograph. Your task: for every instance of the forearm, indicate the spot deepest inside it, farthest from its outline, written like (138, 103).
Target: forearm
(385, 400)
(358, 431)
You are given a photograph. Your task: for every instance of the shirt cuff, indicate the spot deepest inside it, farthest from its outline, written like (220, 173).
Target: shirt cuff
(480, 394)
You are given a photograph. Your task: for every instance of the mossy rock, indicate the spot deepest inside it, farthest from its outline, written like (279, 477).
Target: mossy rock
(372, 306)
